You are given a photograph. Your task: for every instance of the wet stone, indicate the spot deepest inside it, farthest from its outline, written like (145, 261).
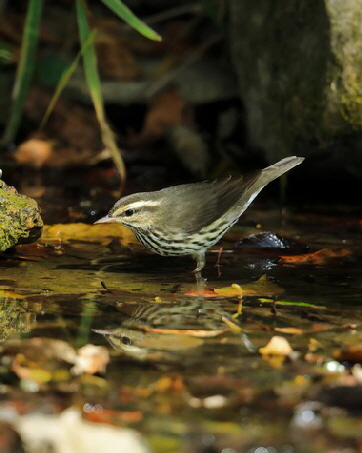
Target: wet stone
(20, 220)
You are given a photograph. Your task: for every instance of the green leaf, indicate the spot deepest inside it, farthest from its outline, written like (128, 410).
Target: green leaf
(287, 302)
(90, 61)
(25, 68)
(126, 14)
(94, 86)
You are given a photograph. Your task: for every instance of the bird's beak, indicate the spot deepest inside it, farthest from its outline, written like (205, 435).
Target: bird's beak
(106, 219)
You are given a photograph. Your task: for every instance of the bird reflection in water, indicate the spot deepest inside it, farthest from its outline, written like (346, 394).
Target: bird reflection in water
(161, 331)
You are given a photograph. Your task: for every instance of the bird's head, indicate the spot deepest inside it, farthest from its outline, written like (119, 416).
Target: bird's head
(134, 211)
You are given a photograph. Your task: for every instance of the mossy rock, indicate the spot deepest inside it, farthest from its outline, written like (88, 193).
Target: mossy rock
(20, 220)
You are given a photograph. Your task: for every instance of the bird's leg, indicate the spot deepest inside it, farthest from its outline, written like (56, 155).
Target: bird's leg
(200, 263)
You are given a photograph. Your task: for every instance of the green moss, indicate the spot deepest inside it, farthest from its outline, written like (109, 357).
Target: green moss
(20, 219)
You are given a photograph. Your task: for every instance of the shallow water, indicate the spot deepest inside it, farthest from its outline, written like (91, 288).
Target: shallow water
(186, 373)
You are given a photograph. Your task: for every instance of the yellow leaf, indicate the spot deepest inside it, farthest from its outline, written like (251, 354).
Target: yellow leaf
(10, 295)
(103, 233)
(261, 287)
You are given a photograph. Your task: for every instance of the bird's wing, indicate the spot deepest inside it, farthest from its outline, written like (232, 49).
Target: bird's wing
(195, 206)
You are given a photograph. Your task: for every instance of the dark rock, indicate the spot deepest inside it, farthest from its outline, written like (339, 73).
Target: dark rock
(268, 239)
(298, 68)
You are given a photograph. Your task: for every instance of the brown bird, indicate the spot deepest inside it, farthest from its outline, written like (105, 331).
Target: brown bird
(190, 218)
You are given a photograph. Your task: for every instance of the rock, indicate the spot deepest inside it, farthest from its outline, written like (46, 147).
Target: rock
(20, 220)
(299, 71)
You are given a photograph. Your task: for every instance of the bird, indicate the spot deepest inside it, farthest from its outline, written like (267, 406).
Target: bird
(189, 218)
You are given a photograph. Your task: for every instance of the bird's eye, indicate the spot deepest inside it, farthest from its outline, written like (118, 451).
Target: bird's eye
(126, 340)
(128, 212)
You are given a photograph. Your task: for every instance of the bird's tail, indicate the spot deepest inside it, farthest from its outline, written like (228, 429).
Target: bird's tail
(272, 172)
(267, 175)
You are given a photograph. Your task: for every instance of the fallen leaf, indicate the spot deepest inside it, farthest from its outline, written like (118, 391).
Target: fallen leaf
(261, 287)
(318, 258)
(103, 233)
(34, 152)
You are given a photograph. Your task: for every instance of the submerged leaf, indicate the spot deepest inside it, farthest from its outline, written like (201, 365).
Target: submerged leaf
(318, 258)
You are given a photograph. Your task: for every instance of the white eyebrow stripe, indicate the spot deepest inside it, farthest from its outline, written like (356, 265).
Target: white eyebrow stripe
(140, 204)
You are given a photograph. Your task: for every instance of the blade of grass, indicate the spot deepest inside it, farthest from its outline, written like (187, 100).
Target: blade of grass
(292, 303)
(25, 68)
(126, 14)
(88, 312)
(94, 86)
(64, 79)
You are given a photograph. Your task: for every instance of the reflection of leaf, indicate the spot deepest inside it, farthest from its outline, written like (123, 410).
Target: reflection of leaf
(290, 330)
(10, 295)
(276, 346)
(44, 360)
(40, 360)
(91, 359)
(319, 258)
(204, 293)
(262, 287)
(277, 349)
(71, 430)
